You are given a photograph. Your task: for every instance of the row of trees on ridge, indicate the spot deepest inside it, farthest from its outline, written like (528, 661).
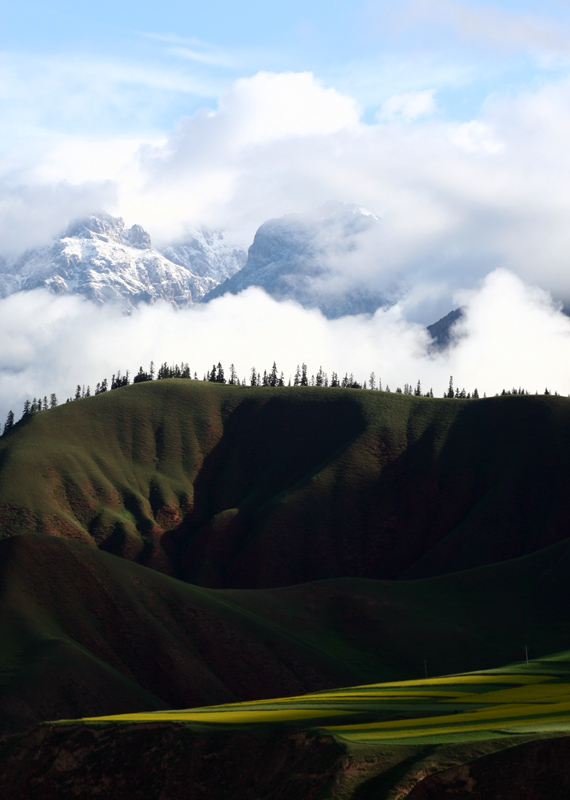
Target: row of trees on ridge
(270, 378)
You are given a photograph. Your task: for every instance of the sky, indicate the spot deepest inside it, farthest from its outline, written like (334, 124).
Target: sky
(448, 119)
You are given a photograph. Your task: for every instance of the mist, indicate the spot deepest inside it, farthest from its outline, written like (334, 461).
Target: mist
(511, 335)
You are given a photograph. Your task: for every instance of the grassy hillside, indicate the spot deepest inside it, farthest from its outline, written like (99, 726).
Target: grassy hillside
(475, 736)
(249, 487)
(85, 633)
(466, 707)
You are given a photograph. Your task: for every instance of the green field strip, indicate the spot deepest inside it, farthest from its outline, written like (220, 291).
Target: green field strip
(469, 678)
(445, 733)
(521, 694)
(233, 717)
(484, 719)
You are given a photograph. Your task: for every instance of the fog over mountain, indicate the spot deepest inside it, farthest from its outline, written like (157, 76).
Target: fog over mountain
(509, 335)
(466, 212)
(302, 257)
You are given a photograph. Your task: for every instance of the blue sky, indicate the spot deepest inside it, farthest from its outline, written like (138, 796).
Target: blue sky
(165, 60)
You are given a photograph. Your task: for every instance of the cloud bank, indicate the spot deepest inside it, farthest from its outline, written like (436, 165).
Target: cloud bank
(457, 199)
(473, 212)
(511, 336)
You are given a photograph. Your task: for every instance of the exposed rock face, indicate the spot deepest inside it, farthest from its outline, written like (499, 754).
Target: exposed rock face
(531, 771)
(300, 257)
(156, 761)
(440, 331)
(104, 261)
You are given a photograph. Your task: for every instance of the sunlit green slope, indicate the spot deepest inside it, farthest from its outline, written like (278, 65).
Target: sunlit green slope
(85, 633)
(531, 699)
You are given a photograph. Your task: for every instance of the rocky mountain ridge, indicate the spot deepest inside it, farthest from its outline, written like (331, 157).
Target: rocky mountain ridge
(101, 259)
(299, 257)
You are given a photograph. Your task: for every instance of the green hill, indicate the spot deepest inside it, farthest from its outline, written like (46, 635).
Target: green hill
(497, 734)
(240, 487)
(84, 633)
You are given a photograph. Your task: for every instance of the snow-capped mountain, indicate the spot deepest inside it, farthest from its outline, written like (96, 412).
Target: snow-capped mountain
(100, 258)
(300, 257)
(207, 253)
(303, 257)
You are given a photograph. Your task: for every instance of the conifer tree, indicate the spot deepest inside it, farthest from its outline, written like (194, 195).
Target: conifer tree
(52, 400)
(273, 375)
(304, 380)
(9, 424)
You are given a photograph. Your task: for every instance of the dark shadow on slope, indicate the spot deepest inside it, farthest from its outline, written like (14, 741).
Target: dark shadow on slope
(503, 473)
(268, 447)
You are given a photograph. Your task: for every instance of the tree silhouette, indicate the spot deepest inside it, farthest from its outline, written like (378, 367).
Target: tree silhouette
(9, 424)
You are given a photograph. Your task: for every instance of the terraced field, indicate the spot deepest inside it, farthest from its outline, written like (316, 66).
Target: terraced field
(494, 704)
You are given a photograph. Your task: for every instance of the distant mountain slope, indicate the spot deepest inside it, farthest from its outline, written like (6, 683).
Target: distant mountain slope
(251, 487)
(440, 331)
(299, 257)
(102, 260)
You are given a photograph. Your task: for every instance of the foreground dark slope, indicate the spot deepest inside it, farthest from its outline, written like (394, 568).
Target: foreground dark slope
(84, 633)
(162, 760)
(240, 487)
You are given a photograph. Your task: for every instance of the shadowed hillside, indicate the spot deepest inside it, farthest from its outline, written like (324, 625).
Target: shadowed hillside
(84, 633)
(252, 487)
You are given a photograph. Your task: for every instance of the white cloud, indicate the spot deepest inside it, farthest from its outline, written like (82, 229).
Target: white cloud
(457, 200)
(408, 106)
(475, 137)
(512, 335)
(485, 22)
(30, 215)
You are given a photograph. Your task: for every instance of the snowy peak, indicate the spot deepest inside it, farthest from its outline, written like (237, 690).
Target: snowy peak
(101, 259)
(303, 257)
(106, 228)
